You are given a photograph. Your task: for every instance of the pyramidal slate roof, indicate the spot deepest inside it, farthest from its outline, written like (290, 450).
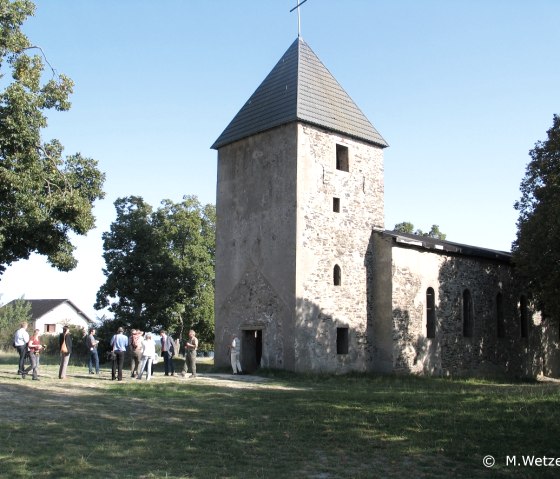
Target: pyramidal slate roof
(300, 88)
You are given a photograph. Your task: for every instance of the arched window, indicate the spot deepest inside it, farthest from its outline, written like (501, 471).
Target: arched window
(524, 316)
(430, 313)
(337, 275)
(500, 322)
(468, 317)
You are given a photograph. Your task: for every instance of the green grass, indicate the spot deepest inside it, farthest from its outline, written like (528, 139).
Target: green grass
(287, 426)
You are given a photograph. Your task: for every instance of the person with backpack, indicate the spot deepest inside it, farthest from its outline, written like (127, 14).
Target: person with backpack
(135, 351)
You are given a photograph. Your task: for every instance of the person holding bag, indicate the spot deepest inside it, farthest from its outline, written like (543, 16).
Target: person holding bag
(65, 343)
(34, 345)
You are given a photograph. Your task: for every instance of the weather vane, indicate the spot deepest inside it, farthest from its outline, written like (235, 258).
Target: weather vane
(299, 4)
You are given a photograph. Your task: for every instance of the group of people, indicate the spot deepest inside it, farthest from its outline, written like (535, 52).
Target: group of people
(143, 354)
(142, 349)
(31, 347)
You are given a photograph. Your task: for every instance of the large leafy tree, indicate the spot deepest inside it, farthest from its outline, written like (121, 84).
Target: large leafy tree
(536, 251)
(160, 266)
(44, 197)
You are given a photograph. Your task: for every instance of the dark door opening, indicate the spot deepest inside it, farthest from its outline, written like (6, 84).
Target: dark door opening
(251, 350)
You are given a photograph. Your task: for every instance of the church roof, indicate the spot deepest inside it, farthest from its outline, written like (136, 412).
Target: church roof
(434, 244)
(300, 88)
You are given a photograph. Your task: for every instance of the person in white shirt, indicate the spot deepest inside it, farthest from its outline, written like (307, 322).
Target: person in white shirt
(235, 351)
(21, 338)
(148, 355)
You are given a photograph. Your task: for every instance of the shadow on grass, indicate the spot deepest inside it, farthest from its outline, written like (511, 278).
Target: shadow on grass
(291, 426)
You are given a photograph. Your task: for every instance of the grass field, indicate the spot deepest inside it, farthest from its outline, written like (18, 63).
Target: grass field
(275, 425)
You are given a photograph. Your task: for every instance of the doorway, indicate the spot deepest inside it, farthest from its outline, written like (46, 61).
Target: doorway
(251, 350)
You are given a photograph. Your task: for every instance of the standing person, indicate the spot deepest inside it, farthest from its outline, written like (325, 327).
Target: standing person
(167, 351)
(190, 359)
(91, 344)
(21, 338)
(135, 351)
(65, 345)
(119, 343)
(235, 352)
(148, 355)
(35, 347)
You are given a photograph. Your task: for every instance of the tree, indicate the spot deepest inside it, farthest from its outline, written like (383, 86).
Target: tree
(11, 316)
(406, 227)
(160, 266)
(536, 250)
(43, 196)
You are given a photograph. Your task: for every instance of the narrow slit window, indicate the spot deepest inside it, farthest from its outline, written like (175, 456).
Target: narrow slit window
(430, 313)
(342, 162)
(336, 205)
(468, 319)
(341, 340)
(337, 275)
(500, 322)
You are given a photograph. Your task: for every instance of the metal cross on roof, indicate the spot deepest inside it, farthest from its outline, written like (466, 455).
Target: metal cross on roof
(299, 4)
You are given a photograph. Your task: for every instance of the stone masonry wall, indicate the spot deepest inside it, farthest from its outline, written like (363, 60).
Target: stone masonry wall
(326, 238)
(450, 353)
(255, 244)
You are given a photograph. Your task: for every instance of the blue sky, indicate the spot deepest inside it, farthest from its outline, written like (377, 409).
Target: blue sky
(461, 91)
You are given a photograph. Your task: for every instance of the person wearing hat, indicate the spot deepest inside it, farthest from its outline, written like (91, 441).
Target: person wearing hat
(65, 345)
(119, 343)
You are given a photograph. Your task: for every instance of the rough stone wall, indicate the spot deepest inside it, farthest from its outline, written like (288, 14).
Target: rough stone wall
(325, 239)
(450, 353)
(256, 243)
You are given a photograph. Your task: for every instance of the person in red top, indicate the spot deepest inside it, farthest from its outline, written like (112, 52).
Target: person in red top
(35, 347)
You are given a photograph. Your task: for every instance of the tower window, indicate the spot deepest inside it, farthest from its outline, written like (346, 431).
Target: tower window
(430, 313)
(500, 322)
(468, 319)
(342, 163)
(341, 340)
(336, 205)
(337, 275)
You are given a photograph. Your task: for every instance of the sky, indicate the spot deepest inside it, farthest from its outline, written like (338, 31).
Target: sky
(461, 90)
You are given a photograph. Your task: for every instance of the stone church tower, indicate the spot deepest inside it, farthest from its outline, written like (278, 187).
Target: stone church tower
(299, 191)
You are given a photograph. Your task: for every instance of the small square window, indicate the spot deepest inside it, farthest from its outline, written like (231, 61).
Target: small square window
(342, 163)
(50, 328)
(336, 205)
(341, 340)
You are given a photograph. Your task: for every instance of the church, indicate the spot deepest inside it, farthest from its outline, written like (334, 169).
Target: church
(310, 279)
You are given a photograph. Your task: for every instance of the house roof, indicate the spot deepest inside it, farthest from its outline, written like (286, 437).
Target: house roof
(434, 244)
(300, 88)
(40, 307)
